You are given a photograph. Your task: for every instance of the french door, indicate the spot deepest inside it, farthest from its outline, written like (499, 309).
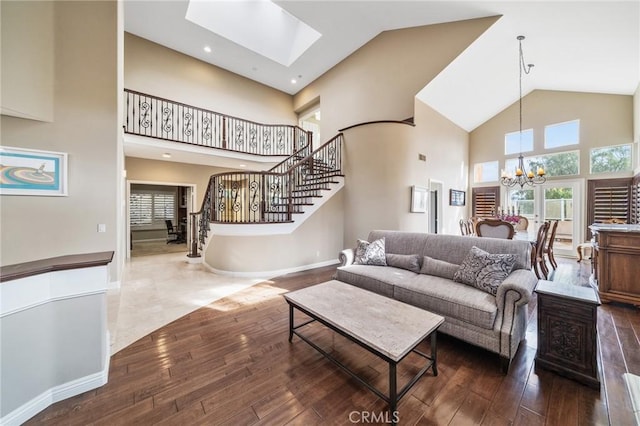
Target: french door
(559, 200)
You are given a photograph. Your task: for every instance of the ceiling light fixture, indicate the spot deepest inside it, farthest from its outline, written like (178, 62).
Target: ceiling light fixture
(166, 155)
(207, 49)
(522, 177)
(294, 81)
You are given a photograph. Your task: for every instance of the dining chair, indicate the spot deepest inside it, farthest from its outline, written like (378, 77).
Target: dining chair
(522, 225)
(548, 250)
(471, 226)
(463, 227)
(495, 229)
(539, 266)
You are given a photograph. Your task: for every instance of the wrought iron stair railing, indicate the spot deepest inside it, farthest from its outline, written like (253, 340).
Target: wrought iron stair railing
(159, 118)
(268, 197)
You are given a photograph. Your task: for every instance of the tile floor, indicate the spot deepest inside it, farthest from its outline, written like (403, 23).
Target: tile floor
(158, 289)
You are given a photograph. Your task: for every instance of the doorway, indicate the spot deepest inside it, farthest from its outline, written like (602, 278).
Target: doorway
(435, 206)
(158, 219)
(310, 121)
(561, 201)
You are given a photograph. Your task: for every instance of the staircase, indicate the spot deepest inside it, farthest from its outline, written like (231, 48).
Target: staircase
(276, 196)
(309, 177)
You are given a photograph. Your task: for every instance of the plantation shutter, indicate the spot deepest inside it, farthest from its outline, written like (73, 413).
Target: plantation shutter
(485, 201)
(608, 199)
(141, 209)
(149, 208)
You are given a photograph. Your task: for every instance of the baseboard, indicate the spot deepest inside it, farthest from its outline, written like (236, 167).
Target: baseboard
(66, 390)
(274, 273)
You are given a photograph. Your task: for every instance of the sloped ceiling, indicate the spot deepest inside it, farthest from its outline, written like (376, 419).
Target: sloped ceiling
(580, 46)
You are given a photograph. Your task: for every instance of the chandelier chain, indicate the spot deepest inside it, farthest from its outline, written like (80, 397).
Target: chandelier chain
(522, 177)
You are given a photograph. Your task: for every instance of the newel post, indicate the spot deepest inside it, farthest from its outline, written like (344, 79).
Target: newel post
(193, 252)
(290, 196)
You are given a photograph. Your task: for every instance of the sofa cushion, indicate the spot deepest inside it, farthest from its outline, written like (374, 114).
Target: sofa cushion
(373, 278)
(370, 253)
(454, 248)
(438, 268)
(484, 270)
(400, 242)
(410, 262)
(448, 298)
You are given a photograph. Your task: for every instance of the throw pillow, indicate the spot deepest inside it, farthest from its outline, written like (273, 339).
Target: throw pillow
(497, 270)
(370, 253)
(438, 268)
(485, 271)
(410, 262)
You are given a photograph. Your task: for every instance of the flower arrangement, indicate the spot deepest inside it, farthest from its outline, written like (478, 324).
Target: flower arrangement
(510, 218)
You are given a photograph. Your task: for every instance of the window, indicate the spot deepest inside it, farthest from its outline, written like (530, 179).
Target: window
(512, 143)
(559, 164)
(485, 172)
(522, 201)
(148, 208)
(611, 159)
(562, 134)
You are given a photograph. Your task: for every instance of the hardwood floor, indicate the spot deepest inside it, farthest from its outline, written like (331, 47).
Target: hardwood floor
(230, 363)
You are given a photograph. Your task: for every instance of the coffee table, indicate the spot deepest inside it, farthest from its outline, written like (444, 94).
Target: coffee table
(385, 327)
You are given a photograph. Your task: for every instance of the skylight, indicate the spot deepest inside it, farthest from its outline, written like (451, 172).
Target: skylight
(259, 25)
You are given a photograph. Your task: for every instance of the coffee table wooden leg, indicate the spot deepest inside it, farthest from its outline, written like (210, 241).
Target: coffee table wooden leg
(393, 390)
(434, 353)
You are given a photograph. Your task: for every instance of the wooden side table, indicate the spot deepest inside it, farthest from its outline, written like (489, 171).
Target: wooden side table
(567, 331)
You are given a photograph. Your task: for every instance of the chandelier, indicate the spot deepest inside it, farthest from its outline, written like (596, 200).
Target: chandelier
(521, 176)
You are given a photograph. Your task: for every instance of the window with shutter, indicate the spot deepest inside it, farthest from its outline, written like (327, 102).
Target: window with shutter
(485, 201)
(608, 199)
(150, 208)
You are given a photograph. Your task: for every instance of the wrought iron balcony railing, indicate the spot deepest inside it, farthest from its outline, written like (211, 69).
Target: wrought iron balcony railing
(154, 117)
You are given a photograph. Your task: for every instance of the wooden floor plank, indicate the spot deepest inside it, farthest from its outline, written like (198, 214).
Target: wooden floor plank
(231, 363)
(563, 404)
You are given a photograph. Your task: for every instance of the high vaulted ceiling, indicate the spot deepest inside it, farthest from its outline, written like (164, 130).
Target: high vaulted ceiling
(585, 46)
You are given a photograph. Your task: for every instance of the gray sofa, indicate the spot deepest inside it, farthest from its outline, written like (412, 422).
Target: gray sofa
(497, 323)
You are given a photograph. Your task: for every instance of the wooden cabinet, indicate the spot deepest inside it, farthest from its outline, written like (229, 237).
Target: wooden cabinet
(617, 262)
(567, 331)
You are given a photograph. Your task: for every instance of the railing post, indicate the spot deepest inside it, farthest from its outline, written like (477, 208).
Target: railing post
(194, 236)
(224, 132)
(290, 196)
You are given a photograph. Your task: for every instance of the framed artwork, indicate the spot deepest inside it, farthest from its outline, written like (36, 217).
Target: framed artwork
(418, 199)
(32, 172)
(457, 198)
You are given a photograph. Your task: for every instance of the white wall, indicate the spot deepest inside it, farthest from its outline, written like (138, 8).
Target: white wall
(85, 126)
(27, 59)
(382, 163)
(160, 71)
